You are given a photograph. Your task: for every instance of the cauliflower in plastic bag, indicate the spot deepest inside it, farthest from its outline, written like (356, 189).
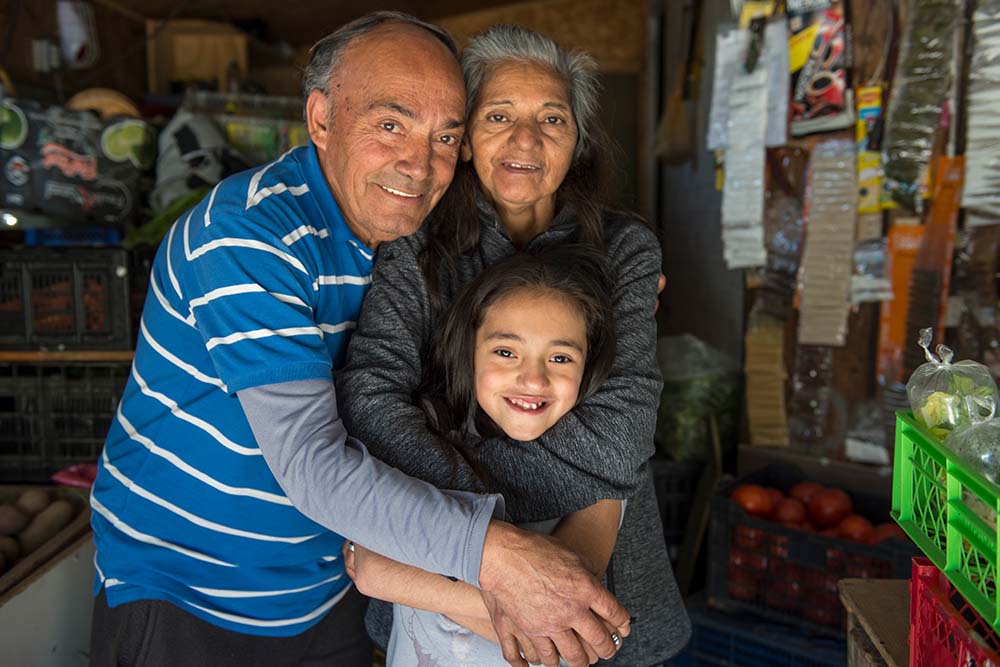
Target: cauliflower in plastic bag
(938, 389)
(979, 442)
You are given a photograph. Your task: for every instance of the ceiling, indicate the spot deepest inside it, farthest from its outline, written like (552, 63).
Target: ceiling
(302, 23)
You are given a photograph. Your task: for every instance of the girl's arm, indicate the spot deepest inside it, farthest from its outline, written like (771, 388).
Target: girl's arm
(590, 532)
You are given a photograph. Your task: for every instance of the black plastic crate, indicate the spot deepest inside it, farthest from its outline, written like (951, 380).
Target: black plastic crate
(64, 298)
(742, 640)
(790, 575)
(675, 484)
(55, 415)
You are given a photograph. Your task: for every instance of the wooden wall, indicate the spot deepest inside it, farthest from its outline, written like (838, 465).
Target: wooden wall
(613, 31)
(122, 63)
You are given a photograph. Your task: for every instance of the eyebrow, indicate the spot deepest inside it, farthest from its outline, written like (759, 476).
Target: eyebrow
(559, 342)
(555, 105)
(409, 113)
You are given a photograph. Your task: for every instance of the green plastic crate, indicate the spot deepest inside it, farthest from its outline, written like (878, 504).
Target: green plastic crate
(950, 511)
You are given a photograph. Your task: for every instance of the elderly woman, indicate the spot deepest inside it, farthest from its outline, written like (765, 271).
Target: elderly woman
(532, 175)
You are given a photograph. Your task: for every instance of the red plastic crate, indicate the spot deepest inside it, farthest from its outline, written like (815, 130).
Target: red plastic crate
(945, 631)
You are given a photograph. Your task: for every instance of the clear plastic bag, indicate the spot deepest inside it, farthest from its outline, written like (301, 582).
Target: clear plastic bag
(938, 389)
(979, 443)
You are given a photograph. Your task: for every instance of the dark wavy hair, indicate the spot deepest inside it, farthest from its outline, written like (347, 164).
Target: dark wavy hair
(574, 271)
(452, 229)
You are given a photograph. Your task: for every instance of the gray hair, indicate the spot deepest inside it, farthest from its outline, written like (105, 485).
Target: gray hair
(324, 56)
(504, 43)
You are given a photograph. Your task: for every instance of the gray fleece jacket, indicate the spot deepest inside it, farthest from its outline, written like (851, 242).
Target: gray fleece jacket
(598, 450)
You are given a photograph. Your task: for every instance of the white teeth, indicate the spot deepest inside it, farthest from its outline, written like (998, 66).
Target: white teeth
(525, 404)
(399, 193)
(518, 165)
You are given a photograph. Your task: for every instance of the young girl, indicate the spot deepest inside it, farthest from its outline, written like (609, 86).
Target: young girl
(523, 343)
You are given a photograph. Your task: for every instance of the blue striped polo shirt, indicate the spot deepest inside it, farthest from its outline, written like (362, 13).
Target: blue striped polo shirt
(259, 283)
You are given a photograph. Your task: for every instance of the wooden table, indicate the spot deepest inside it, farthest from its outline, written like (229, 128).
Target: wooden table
(878, 621)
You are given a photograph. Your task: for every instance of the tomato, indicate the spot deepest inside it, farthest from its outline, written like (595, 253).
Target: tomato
(855, 528)
(790, 510)
(829, 507)
(776, 495)
(804, 491)
(886, 531)
(754, 499)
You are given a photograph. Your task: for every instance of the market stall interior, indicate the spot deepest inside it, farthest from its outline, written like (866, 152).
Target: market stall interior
(823, 179)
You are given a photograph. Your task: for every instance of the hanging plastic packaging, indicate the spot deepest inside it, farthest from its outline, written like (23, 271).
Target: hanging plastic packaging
(938, 389)
(921, 84)
(979, 442)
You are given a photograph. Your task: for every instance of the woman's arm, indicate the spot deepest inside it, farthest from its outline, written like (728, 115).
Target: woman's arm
(600, 446)
(384, 368)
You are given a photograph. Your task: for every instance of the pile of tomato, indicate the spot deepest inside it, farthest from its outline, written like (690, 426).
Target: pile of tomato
(814, 508)
(760, 571)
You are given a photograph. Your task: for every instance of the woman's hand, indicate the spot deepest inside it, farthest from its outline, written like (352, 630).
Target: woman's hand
(660, 284)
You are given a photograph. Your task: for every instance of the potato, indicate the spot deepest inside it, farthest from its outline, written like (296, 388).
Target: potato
(51, 520)
(12, 520)
(33, 501)
(9, 548)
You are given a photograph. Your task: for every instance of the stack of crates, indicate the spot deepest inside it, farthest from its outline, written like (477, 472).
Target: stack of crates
(951, 512)
(55, 409)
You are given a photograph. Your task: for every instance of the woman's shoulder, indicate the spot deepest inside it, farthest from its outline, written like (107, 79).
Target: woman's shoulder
(628, 233)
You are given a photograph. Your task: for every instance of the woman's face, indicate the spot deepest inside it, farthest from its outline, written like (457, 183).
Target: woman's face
(530, 353)
(521, 135)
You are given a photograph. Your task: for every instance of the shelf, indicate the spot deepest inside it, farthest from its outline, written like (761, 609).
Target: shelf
(44, 356)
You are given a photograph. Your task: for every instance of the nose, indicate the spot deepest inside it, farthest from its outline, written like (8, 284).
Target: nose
(526, 134)
(533, 375)
(415, 159)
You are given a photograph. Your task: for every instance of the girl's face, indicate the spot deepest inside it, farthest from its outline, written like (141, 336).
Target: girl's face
(529, 360)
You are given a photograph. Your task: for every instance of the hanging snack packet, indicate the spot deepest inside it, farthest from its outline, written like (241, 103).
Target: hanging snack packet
(938, 389)
(979, 443)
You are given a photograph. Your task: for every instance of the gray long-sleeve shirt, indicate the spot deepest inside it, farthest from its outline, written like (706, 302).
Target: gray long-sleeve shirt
(334, 481)
(598, 450)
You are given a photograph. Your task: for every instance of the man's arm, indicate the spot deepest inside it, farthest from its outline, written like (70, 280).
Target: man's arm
(334, 481)
(539, 584)
(589, 532)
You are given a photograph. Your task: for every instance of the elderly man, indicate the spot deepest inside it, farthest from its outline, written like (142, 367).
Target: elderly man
(227, 484)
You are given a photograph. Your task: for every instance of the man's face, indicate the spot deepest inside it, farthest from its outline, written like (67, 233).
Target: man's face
(388, 133)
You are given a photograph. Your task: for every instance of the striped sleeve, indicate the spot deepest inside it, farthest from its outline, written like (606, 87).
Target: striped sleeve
(253, 302)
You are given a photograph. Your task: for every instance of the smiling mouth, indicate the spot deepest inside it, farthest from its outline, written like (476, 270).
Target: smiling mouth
(400, 193)
(522, 167)
(535, 406)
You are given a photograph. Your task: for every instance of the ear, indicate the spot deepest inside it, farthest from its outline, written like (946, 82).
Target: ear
(466, 150)
(317, 118)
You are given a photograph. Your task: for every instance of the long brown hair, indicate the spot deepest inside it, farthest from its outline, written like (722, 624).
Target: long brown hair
(576, 272)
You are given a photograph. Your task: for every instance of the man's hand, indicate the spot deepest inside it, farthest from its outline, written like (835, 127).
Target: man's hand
(543, 591)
